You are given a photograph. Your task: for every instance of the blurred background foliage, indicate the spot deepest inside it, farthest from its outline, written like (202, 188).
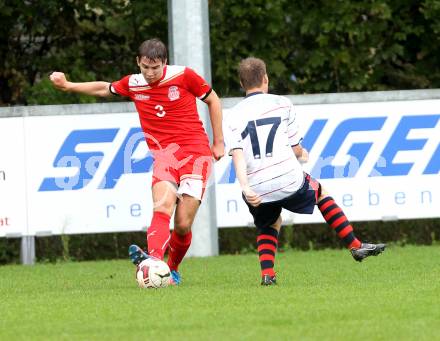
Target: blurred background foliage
(93, 39)
(309, 46)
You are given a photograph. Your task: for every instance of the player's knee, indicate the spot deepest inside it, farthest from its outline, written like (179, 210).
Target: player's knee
(164, 208)
(183, 225)
(182, 230)
(322, 193)
(277, 225)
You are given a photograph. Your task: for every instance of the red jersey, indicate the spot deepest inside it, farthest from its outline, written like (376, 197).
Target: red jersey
(167, 108)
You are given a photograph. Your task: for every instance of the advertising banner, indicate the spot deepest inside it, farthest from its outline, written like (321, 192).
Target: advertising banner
(379, 160)
(87, 174)
(66, 174)
(13, 208)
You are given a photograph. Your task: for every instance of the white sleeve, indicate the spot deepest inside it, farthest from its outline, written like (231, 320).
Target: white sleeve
(231, 133)
(293, 131)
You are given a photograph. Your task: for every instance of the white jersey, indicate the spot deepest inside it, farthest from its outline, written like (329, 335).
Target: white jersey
(266, 128)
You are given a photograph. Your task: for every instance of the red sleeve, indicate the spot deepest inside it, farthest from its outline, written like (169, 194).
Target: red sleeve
(120, 87)
(196, 84)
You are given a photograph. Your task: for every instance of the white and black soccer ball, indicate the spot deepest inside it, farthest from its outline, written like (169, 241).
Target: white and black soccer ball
(153, 273)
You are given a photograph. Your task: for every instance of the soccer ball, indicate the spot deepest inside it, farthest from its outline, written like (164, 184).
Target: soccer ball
(153, 273)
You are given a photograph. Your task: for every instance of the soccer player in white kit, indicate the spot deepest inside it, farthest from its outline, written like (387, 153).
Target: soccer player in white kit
(262, 135)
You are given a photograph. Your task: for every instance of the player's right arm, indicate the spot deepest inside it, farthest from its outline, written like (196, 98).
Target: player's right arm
(234, 147)
(240, 170)
(96, 88)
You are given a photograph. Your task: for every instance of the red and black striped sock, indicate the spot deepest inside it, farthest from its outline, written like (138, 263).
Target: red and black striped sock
(267, 242)
(335, 217)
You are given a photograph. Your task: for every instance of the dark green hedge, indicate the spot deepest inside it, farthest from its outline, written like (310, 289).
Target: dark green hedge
(309, 46)
(319, 236)
(231, 240)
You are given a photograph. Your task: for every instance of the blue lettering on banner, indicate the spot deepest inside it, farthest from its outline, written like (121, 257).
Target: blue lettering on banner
(229, 175)
(86, 163)
(357, 152)
(399, 198)
(323, 168)
(347, 200)
(313, 133)
(135, 210)
(233, 203)
(433, 166)
(123, 163)
(373, 198)
(423, 197)
(399, 142)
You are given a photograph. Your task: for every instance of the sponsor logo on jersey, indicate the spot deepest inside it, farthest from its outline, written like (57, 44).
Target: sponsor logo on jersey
(141, 97)
(173, 93)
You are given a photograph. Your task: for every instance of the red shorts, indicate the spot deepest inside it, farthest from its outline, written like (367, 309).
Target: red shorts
(187, 166)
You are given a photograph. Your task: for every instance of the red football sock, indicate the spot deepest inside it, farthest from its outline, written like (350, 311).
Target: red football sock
(179, 245)
(158, 234)
(335, 217)
(267, 242)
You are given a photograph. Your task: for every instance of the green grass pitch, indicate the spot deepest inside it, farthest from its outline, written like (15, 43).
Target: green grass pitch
(321, 295)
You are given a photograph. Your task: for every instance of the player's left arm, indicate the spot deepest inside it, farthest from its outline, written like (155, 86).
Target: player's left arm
(215, 115)
(301, 153)
(295, 137)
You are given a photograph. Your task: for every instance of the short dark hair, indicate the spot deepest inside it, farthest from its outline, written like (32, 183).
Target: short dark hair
(153, 49)
(251, 72)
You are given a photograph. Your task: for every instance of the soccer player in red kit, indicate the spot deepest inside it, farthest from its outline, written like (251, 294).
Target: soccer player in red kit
(165, 99)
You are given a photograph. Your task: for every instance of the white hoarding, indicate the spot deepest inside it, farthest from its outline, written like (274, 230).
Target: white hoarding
(92, 173)
(378, 160)
(87, 173)
(13, 210)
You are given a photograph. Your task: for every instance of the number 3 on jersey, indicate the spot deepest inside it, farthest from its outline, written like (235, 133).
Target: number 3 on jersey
(251, 130)
(161, 112)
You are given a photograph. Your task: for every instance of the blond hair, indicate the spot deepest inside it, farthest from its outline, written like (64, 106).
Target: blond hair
(251, 72)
